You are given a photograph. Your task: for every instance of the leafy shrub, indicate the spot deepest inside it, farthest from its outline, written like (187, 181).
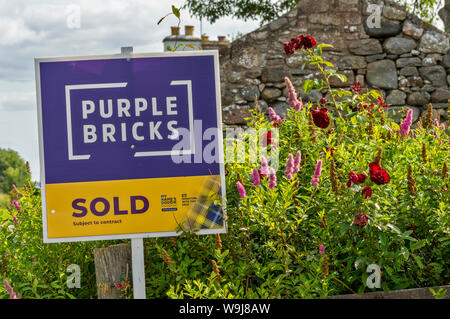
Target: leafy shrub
(353, 188)
(36, 269)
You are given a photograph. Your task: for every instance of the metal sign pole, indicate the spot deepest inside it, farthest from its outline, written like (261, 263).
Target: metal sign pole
(138, 268)
(137, 244)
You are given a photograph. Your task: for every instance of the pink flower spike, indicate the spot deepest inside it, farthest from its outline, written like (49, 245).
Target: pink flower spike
(16, 205)
(241, 189)
(255, 177)
(292, 95)
(297, 160)
(404, 127)
(315, 180)
(264, 166)
(289, 166)
(9, 289)
(272, 179)
(274, 117)
(322, 249)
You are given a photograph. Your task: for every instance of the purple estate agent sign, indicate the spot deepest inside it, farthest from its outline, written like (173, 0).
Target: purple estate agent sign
(103, 118)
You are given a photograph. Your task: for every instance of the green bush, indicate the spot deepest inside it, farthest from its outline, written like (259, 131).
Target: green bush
(36, 269)
(13, 170)
(379, 197)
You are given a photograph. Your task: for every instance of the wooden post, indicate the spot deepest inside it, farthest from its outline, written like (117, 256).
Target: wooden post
(112, 264)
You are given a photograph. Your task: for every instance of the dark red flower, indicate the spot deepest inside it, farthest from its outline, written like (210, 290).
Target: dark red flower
(361, 220)
(308, 42)
(356, 87)
(380, 102)
(288, 48)
(361, 178)
(323, 101)
(367, 192)
(320, 117)
(267, 138)
(355, 178)
(297, 42)
(377, 175)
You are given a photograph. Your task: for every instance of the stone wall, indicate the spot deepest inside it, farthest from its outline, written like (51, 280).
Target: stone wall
(406, 59)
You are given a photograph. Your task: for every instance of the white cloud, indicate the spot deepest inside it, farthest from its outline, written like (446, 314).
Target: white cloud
(15, 31)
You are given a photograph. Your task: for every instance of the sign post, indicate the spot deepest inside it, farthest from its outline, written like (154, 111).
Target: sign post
(137, 244)
(131, 146)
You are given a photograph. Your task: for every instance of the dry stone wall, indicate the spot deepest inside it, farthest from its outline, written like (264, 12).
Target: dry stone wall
(405, 58)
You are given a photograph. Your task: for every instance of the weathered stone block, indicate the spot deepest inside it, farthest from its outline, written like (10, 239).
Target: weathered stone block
(440, 95)
(417, 99)
(435, 74)
(434, 42)
(375, 57)
(312, 6)
(271, 94)
(409, 71)
(248, 92)
(365, 47)
(234, 114)
(412, 30)
(272, 74)
(351, 62)
(382, 74)
(403, 62)
(388, 28)
(278, 23)
(396, 97)
(394, 13)
(399, 45)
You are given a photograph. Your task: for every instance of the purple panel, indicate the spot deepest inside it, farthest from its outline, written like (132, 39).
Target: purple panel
(113, 159)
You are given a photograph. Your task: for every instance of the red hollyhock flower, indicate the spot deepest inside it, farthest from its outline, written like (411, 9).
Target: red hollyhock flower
(308, 42)
(320, 117)
(323, 101)
(377, 175)
(367, 192)
(361, 220)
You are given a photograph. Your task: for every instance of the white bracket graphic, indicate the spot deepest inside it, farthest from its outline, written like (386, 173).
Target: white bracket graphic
(69, 115)
(70, 88)
(188, 84)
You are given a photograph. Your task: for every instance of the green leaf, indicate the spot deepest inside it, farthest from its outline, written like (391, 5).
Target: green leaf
(307, 86)
(176, 11)
(324, 45)
(341, 77)
(394, 228)
(418, 261)
(318, 84)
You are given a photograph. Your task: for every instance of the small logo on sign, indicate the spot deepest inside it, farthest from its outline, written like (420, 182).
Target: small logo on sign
(168, 204)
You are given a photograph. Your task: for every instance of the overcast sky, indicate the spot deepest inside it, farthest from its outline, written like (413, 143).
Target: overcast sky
(31, 28)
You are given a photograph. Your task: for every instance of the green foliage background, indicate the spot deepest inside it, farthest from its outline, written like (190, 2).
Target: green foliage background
(12, 170)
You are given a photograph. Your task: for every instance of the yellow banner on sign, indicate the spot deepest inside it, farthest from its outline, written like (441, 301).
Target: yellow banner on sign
(132, 206)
